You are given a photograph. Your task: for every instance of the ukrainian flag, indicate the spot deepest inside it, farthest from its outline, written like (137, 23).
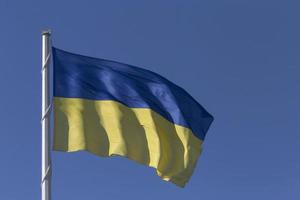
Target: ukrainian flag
(109, 108)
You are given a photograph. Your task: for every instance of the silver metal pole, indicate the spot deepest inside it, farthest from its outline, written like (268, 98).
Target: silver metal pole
(46, 107)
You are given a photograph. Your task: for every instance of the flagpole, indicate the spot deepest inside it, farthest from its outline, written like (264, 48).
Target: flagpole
(46, 107)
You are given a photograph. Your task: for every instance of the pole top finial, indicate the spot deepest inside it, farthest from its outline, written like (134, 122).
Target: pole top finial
(46, 32)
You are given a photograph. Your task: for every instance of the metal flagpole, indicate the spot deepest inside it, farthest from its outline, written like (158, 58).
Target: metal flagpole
(46, 107)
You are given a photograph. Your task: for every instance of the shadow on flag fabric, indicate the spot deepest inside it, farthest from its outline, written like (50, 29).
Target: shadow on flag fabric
(109, 108)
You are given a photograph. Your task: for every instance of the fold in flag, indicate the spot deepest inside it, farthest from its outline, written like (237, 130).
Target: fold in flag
(109, 108)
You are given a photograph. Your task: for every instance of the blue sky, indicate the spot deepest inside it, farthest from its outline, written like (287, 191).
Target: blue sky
(238, 58)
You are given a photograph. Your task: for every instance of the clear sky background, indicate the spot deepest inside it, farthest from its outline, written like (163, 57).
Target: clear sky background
(238, 58)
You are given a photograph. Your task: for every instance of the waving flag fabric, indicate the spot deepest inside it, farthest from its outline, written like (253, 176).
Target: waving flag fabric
(109, 108)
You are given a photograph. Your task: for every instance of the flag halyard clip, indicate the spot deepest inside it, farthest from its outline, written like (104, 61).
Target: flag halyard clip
(46, 62)
(47, 174)
(48, 110)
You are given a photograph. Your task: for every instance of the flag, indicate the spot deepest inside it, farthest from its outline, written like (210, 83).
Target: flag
(110, 108)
